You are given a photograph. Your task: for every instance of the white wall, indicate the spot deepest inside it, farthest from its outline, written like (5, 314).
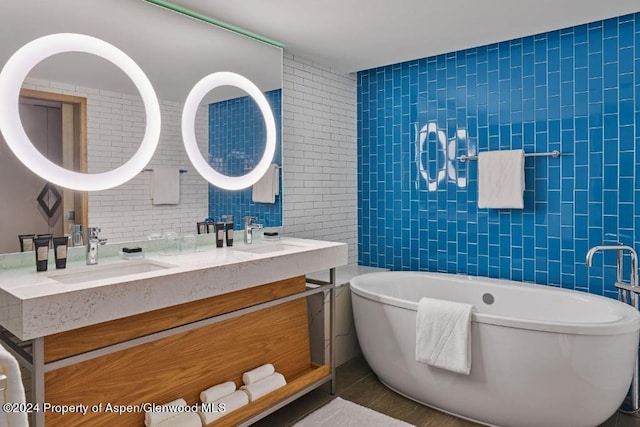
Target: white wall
(115, 127)
(320, 157)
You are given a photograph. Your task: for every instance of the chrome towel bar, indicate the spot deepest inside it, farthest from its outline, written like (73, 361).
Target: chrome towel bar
(554, 153)
(151, 170)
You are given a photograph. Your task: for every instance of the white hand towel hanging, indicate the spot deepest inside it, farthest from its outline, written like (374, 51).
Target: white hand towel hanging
(501, 179)
(266, 189)
(165, 186)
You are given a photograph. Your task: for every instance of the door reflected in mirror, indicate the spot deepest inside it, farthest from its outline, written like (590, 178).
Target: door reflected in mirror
(56, 124)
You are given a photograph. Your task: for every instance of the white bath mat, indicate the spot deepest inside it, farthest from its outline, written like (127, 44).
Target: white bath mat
(343, 413)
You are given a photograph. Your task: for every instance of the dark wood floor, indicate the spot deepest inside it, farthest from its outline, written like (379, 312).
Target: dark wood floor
(356, 382)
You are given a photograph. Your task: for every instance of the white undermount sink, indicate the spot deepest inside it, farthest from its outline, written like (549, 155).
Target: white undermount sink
(107, 271)
(267, 247)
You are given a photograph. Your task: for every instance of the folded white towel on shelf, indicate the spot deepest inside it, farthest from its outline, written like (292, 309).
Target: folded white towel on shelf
(258, 373)
(217, 391)
(163, 413)
(14, 391)
(443, 334)
(267, 187)
(221, 407)
(501, 179)
(264, 386)
(165, 186)
(183, 419)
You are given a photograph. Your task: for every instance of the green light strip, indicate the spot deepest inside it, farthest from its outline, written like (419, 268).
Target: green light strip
(204, 18)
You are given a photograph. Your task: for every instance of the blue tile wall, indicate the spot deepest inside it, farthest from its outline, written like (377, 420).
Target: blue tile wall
(575, 90)
(236, 142)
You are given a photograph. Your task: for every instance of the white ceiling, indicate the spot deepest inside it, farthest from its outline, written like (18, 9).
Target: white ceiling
(349, 35)
(354, 35)
(174, 51)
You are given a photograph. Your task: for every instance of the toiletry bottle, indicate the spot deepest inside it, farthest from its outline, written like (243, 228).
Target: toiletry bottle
(202, 227)
(229, 230)
(60, 251)
(219, 230)
(26, 242)
(42, 252)
(211, 226)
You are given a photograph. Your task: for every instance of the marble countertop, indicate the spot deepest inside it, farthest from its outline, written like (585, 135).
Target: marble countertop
(35, 304)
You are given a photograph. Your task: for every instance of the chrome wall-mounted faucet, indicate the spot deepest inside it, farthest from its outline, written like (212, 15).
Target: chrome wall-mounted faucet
(93, 240)
(249, 226)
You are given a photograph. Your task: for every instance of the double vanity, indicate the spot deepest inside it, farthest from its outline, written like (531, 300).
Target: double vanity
(154, 329)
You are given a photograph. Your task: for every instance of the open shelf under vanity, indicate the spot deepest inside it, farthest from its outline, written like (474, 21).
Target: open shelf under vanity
(178, 351)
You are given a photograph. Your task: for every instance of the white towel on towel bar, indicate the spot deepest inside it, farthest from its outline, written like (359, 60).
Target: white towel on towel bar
(267, 187)
(165, 186)
(501, 179)
(14, 392)
(443, 334)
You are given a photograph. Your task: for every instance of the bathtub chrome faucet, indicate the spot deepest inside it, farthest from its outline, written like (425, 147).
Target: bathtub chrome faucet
(622, 287)
(624, 290)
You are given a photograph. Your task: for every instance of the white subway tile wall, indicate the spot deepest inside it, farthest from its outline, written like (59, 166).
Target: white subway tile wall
(320, 165)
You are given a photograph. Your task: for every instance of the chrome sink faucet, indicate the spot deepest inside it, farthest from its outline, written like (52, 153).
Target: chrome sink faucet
(93, 240)
(249, 226)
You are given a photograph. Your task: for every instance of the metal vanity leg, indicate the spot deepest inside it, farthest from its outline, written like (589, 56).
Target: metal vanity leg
(38, 380)
(332, 327)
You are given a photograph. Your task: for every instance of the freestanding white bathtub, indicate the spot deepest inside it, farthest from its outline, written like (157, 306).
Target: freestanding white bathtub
(540, 356)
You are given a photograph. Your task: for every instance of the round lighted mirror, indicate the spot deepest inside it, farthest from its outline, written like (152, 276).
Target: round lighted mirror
(204, 86)
(16, 70)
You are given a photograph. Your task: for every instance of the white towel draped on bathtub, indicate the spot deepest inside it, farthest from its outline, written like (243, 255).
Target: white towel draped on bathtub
(443, 334)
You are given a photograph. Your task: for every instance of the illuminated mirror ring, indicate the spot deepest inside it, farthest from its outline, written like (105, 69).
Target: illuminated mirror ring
(204, 86)
(12, 77)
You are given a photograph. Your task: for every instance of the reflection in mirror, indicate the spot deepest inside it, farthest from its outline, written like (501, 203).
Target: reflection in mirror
(52, 121)
(114, 120)
(235, 150)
